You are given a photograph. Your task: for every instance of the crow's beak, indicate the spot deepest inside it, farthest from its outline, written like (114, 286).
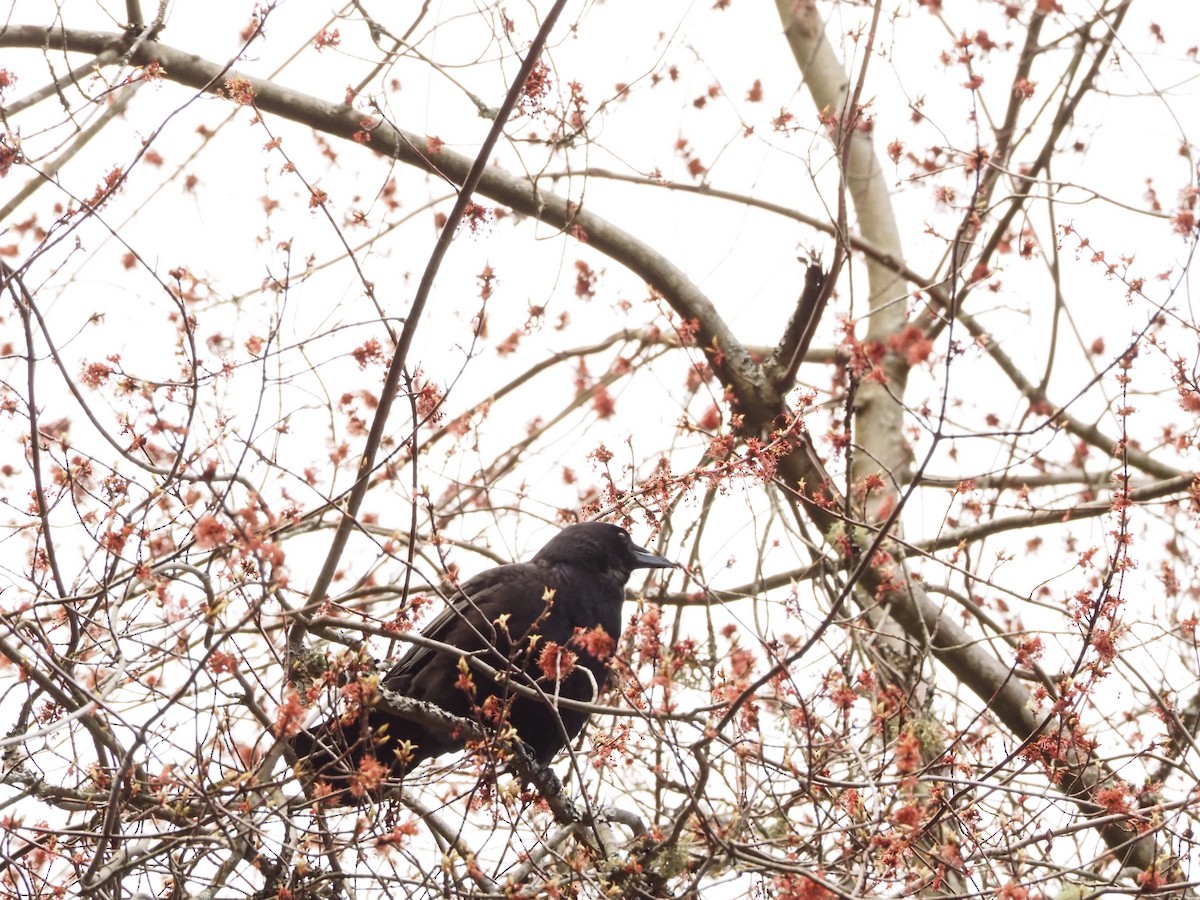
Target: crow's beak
(644, 559)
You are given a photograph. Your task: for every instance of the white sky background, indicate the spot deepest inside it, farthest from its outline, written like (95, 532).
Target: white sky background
(744, 260)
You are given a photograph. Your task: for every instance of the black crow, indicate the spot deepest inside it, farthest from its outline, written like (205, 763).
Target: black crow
(556, 618)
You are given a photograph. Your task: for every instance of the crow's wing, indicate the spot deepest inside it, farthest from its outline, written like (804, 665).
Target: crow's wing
(492, 614)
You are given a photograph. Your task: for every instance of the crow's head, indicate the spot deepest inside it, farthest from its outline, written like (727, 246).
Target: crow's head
(599, 547)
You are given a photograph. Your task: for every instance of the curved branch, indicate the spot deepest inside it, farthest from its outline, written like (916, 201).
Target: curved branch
(731, 361)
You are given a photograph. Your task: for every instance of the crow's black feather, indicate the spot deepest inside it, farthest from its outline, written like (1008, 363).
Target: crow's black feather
(507, 617)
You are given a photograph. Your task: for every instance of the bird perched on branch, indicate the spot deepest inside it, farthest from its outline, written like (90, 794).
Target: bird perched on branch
(551, 624)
